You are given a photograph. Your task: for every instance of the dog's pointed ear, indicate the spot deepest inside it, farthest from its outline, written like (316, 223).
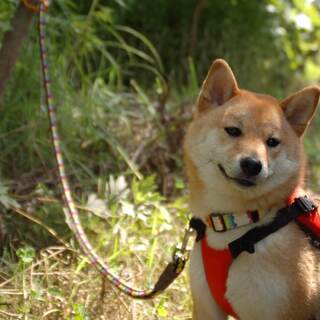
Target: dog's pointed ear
(300, 107)
(219, 86)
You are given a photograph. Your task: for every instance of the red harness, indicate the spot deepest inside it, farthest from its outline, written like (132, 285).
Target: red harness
(216, 266)
(217, 262)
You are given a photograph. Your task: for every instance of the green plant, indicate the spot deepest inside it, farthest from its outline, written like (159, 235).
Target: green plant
(125, 74)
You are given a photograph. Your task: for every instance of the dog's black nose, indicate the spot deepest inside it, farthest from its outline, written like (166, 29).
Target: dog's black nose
(250, 166)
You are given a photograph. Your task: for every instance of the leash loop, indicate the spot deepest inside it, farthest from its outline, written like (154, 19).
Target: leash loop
(180, 256)
(29, 4)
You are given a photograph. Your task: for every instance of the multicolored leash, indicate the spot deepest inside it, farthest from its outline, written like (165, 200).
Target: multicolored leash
(180, 256)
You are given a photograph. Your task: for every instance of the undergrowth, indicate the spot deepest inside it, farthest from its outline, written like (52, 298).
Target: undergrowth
(122, 112)
(129, 225)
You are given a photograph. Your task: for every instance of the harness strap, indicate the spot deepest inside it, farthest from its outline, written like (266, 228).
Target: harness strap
(216, 262)
(199, 226)
(300, 206)
(285, 215)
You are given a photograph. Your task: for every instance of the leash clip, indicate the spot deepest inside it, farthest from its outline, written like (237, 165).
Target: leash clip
(181, 253)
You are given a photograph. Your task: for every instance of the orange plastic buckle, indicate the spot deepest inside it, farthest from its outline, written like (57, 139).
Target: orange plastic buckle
(29, 4)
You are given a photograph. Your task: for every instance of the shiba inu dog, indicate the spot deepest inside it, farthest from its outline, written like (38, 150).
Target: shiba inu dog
(244, 158)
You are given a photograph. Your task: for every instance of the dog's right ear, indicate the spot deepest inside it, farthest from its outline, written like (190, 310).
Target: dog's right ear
(219, 86)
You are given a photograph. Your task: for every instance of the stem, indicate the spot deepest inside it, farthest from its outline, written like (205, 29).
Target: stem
(195, 25)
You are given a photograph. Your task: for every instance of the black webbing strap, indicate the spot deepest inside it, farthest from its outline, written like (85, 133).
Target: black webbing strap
(199, 226)
(170, 273)
(285, 215)
(301, 205)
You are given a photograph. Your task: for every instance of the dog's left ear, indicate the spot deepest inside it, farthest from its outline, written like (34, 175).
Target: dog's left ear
(299, 108)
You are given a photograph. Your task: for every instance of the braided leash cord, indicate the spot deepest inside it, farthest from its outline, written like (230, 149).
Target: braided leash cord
(71, 211)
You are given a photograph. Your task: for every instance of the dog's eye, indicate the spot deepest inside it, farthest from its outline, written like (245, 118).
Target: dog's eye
(233, 131)
(273, 142)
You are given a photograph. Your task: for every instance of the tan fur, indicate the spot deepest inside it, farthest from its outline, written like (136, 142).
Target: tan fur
(282, 279)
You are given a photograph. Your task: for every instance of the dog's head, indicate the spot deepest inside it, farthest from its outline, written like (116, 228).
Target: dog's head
(246, 143)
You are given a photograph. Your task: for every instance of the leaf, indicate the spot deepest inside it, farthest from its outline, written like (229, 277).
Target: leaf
(179, 184)
(55, 292)
(80, 312)
(127, 209)
(7, 201)
(165, 213)
(26, 254)
(117, 187)
(97, 206)
(162, 310)
(104, 15)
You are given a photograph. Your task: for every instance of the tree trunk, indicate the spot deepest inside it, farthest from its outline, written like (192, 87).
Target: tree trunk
(12, 42)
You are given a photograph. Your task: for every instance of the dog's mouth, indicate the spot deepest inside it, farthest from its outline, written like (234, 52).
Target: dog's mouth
(240, 181)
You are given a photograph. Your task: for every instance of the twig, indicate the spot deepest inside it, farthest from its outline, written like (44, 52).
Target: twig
(35, 265)
(120, 298)
(195, 25)
(11, 292)
(17, 130)
(50, 312)
(13, 315)
(35, 220)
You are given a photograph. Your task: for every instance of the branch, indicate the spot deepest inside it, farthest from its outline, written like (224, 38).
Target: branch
(12, 42)
(195, 24)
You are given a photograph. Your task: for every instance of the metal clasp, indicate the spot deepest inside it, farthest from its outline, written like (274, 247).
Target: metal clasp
(181, 253)
(305, 204)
